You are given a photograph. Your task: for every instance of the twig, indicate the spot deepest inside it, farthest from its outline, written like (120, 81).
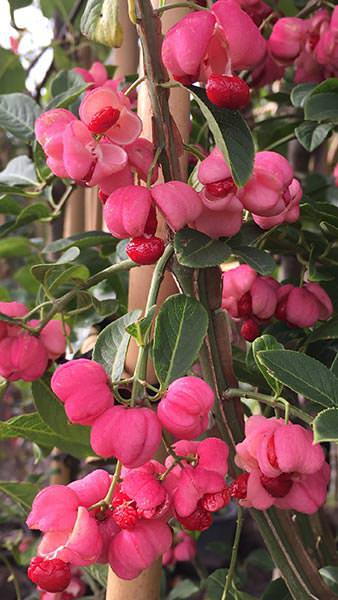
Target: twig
(270, 401)
(234, 553)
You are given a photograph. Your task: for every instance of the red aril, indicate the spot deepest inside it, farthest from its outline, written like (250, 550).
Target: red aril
(50, 575)
(104, 119)
(227, 91)
(145, 250)
(250, 330)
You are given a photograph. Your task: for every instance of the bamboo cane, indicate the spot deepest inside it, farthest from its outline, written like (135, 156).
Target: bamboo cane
(147, 585)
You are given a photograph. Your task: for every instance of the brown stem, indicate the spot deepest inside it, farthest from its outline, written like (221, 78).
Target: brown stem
(165, 130)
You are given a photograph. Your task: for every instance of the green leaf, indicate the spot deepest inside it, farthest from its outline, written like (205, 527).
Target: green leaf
(196, 250)
(18, 113)
(183, 590)
(22, 494)
(12, 74)
(232, 136)
(100, 22)
(29, 214)
(277, 590)
(180, 328)
(31, 427)
(140, 329)
(334, 366)
(72, 273)
(81, 240)
(106, 307)
(325, 426)
(14, 246)
(41, 167)
(322, 102)
(303, 374)
(64, 81)
(19, 171)
(326, 331)
(215, 587)
(300, 93)
(67, 98)
(330, 576)
(267, 342)
(258, 259)
(112, 343)
(74, 438)
(19, 3)
(98, 572)
(9, 206)
(311, 135)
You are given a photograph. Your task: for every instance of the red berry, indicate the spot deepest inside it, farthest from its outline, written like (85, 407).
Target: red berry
(250, 330)
(238, 489)
(244, 305)
(51, 575)
(228, 91)
(102, 196)
(221, 188)
(213, 502)
(199, 520)
(278, 487)
(103, 119)
(125, 516)
(151, 224)
(145, 250)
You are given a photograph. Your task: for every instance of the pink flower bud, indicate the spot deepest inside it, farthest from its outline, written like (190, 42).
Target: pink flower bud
(22, 357)
(54, 509)
(140, 426)
(116, 180)
(184, 409)
(193, 484)
(49, 128)
(87, 160)
(132, 551)
(325, 304)
(185, 45)
(54, 339)
(288, 214)
(97, 74)
(81, 545)
(186, 548)
(247, 294)
(302, 307)
(126, 211)
(220, 223)
(211, 454)
(178, 202)
(83, 404)
(140, 157)
(11, 309)
(287, 39)
(213, 168)
(92, 488)
(264, 193)
(245, 51)
(146, 489)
